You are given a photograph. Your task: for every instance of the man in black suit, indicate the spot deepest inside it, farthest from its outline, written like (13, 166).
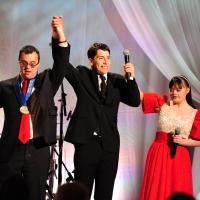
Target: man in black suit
(30, 114)
(93, 125)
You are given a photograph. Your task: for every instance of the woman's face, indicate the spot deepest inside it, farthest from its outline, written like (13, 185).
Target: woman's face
(178, 93)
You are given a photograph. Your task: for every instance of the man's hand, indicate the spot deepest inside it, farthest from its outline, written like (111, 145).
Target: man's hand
(57, 25)
(129, 68)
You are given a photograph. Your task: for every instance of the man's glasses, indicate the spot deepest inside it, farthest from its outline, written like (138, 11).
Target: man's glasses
(23, 63)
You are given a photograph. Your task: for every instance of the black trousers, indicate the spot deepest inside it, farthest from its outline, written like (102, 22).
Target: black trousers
(33, 165)
(93, 163)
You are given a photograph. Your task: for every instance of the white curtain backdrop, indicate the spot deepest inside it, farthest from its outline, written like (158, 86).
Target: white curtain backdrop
(168, 32)
(162, 37)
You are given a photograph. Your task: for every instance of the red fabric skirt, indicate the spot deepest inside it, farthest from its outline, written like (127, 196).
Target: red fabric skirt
(165, 174)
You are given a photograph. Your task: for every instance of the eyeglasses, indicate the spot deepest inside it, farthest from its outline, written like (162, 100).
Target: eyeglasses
(23, 63)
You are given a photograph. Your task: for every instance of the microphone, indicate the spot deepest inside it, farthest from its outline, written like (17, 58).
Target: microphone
(127, 60)
(177, 131)
(174, 145)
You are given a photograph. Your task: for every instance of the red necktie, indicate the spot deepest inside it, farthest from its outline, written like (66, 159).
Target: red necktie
(24, 132)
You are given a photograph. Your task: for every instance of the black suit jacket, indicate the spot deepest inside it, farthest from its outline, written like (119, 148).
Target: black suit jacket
(41, 105)
(91, 114)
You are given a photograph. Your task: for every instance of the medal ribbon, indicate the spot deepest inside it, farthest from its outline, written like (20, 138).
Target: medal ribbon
(24, 131)
(24, 98)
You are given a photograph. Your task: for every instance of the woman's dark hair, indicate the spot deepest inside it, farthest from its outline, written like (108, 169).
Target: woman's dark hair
(92, 51)
(180, 81)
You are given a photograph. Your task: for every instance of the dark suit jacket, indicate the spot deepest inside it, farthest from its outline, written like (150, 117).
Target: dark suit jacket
(41, 105)
(91, 114)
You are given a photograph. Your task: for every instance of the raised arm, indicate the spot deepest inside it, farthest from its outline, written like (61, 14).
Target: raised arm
(60, 52)
(58, 32)
(129, 90)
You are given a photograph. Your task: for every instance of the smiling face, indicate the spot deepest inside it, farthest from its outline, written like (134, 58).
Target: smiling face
(101, 61)
(29, 64)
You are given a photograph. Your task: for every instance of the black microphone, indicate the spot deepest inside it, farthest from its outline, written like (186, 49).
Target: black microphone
(174, 145)
(177, 131)
(127, 60)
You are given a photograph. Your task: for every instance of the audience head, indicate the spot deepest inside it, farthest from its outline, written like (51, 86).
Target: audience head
(181, 196)
(72, 191)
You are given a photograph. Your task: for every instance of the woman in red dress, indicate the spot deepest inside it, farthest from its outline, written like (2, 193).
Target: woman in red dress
(168, 166)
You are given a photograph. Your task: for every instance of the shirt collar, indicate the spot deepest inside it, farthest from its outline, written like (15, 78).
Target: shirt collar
(105, 75)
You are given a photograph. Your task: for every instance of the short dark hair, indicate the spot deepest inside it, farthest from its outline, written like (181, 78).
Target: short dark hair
(92, 51)
(28, 49)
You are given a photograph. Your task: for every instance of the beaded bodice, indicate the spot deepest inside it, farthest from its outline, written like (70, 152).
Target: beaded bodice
(168, 121)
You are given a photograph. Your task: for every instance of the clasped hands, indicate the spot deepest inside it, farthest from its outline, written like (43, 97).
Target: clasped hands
(58, 33)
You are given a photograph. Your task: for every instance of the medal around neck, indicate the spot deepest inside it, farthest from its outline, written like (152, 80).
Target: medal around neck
(24, 110)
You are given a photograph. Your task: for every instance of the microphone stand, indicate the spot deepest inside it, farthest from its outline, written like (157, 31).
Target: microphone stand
(52, 173)
(53, 165)
(70, 177)
(62, 110)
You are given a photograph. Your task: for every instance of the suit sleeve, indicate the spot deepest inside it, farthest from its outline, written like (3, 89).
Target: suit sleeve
(195, 131)
(151, 101)
(129, 92)
(61, 61)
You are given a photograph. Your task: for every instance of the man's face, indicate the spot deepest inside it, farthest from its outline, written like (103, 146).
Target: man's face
(29, 65)
(101, 62)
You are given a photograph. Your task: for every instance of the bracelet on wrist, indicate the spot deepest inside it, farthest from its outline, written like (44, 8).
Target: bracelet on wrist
(62, 41)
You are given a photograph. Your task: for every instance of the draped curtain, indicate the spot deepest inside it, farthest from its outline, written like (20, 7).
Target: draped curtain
(162, 37)
(168, 32)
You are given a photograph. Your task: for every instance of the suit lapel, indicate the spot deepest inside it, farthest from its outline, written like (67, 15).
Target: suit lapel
(110, 89)
(109, 96)
(94, 85)
(37, 86)
(15, 88)
(95, 81)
